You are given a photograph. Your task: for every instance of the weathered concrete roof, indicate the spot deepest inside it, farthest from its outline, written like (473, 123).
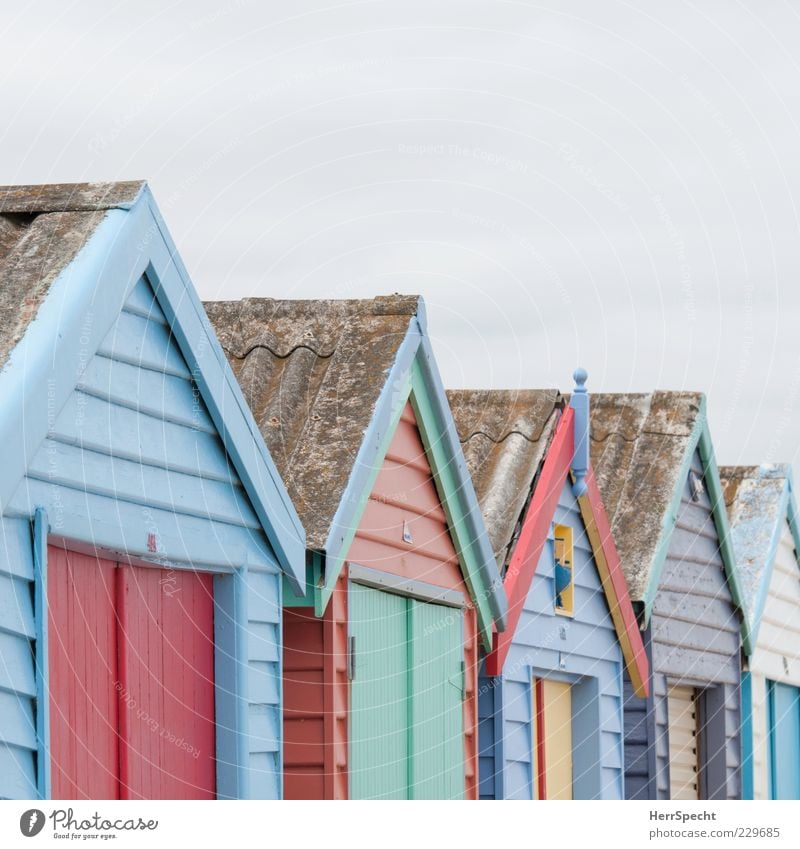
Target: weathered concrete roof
(757, 500)
(42, 229)
(639, 444)
(504, 435)
(312, 373)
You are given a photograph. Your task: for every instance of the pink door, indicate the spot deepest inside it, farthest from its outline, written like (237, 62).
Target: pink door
(131, 657)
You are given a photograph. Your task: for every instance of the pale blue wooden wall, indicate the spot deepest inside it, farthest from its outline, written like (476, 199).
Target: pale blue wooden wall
(694, 636)
(588, 646)
(133, 453)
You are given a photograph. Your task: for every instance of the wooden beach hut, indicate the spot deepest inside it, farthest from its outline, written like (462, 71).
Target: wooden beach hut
(381, 655)
(550, 691)
(145, 530)
(654, 463)
(763, 515)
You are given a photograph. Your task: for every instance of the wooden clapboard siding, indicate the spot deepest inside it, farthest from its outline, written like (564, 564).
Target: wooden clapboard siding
(490, 723)
(777, 652)
(587, 643)
(403, 492)
(17, 669)
(132, 462)
(695, 636)
(640, 736)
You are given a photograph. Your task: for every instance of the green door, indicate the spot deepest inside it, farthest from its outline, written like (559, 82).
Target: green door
(378, 695)
(437, 714)
(406, 713)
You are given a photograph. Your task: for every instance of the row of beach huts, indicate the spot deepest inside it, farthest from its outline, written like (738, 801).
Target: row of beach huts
(256, 550)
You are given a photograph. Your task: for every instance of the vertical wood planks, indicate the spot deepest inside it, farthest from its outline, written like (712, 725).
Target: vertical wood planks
(83, 676)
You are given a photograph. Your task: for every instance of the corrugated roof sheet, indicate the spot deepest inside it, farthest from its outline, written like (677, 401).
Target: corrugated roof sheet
(504, 435)
(312, 373)
(42, 229)
(638, 447)
(755, 497)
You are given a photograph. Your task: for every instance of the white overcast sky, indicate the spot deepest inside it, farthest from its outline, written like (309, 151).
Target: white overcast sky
(599, 183)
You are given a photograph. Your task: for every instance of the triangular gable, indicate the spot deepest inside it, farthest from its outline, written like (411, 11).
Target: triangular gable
(531, 540)
(327, 381)
(124, 241)
(760, 503)
(643, 479)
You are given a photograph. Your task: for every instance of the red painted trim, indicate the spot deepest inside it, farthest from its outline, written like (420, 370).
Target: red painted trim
(619, 600)
(541, 771)
(533, 535)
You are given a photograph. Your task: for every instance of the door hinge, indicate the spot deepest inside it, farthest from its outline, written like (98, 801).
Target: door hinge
(351, 659)
(463, 680)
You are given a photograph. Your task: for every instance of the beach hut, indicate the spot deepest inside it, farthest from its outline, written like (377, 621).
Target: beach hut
(551, 718)
(763, 516)
(654, 463)
(144, 527)
(381, 656)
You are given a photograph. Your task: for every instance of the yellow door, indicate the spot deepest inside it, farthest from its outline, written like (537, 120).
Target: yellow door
(552, 738)
(682, 714)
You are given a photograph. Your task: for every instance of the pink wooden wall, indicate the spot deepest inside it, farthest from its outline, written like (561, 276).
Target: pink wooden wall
(315, 651)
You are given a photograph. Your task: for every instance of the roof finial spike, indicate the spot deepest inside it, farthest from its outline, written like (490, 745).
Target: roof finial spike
(580, 456)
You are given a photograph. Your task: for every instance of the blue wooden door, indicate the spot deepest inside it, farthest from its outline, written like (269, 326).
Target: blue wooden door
(784, 732)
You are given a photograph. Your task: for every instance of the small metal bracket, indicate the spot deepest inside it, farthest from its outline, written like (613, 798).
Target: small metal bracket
(351, 659)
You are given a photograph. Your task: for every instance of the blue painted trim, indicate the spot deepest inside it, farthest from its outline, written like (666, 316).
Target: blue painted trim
(580, 455)
(42, 369)
(499, 738)
(223, 397)
(771, 777)
(230, 676)
(43, 777)
(747, 735)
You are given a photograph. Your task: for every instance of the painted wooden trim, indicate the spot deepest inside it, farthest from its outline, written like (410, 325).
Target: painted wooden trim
(762, 595)
(474, 535)
(722, 524)
(42, 369)
(43, 778)
(413, 377)
(748, 777)
(223, 397)
(366, 466)
(403, 586)
(464, 520)
(612, 578)
(230, 673)
(532, 537)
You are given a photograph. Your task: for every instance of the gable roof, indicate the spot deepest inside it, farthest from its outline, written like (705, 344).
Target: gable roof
(42, 229)
(69, 257)
(327, 381)
(504, 434)
(759, 500)
(641, 449)
(520, 446)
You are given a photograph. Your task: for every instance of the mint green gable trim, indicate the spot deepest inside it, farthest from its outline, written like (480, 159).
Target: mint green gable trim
(720, 512)
(671, 516)
(447, 486)
(700, 440)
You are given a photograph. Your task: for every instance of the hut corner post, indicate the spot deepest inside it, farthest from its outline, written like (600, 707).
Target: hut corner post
(580, 456)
